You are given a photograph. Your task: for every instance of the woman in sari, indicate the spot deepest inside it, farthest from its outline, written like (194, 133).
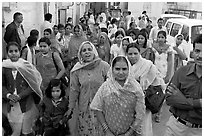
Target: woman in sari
(20, 91)
(86, 77)
(125, 42)
(119, 102)
(146, 73)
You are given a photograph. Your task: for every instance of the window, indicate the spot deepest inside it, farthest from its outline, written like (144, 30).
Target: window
(175, 29)
(168, 26)
(185, 32)
(195, 31)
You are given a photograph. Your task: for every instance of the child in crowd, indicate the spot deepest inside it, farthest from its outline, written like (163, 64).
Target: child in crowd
(20, 91)
(28, 51)
(53, 108)
(115, 48)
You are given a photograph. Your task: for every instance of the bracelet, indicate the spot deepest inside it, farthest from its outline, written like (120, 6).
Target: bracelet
(105, 127)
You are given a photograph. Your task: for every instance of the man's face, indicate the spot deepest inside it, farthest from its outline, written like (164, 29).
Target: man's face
(197, 53)
(19, 19)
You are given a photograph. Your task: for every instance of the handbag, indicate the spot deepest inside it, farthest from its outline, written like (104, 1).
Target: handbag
(154, 98)
(65, 78)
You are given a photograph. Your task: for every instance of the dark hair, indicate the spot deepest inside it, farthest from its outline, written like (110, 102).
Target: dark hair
(31, 40)
(114, 20)
(131, 24)
(46, 40)
(55, 26)
(162, 32)
(132, 45)
(145, 36)
(34, 32)
(69, 24)
(48, 30)
(105, 30)
(144, 12)
(160, 19)
(119, 58)
(16, 15)
(48, 16)
(197, 40)
(69, 18)
(119, 32)
(54, 83)
(77, 26)
(129, 12)
(11, 44)
(60, 26)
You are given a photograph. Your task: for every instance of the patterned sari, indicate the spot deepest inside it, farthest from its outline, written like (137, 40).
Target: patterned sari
(123, 107)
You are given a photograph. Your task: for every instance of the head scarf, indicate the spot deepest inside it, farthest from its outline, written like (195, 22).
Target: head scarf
(81, 63)
(104, 17)
(122, 52)
(130, 84)
(29, 73)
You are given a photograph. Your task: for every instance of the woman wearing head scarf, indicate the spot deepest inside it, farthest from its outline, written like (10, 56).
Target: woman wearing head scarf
(104, 47)
(75, 41)
(86, 77)
(146, 73)
(119, 102)
(179, 52)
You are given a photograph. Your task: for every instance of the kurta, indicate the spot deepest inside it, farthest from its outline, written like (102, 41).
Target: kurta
(84, 85)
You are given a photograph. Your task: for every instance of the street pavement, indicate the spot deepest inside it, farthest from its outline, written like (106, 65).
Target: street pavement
(160, 128)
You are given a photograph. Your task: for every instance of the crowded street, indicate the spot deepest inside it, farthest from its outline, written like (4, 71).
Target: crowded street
(101, 69)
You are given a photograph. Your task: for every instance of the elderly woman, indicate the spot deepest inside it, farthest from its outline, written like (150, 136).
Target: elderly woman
(119, 102)
(146, 73)
(86, 77)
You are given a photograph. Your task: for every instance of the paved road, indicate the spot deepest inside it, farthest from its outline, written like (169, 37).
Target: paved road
(160, 128)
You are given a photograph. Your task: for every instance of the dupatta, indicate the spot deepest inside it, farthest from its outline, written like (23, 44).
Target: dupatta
(28, 72)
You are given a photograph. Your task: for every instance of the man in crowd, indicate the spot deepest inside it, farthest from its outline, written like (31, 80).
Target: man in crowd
(14, 31)
(47, 23)
(184, 96)
(156, 29)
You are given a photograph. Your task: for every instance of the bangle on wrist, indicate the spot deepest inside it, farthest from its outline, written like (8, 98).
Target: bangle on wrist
(105, 127)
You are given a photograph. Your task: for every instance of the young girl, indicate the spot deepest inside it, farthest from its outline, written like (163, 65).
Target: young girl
(125, 42)
(163, 60)
(45, 63)
(115, 48)
(53, 108)
(20, 91)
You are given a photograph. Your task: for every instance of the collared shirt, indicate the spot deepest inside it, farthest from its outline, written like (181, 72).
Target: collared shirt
(154, 31)
(186, 104)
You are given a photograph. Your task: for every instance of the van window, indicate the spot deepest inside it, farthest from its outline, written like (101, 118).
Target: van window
(168, 26)
(195, 31)
(185, 32)
(175, 29)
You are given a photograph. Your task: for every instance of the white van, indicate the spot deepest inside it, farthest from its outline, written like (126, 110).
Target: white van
(172, 16)
(190, 28)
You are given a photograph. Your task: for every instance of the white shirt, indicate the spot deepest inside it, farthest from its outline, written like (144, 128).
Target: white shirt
(45, 25)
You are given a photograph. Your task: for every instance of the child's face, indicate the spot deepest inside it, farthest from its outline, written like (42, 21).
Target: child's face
(119, 38)
(13, 53)
(56, 92)
(62, 30)
(161, 38)
(44, 48)
(179, 40)
(47, 35)
(133, 36)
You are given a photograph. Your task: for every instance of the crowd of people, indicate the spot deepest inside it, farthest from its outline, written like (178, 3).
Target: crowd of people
(90, 79)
